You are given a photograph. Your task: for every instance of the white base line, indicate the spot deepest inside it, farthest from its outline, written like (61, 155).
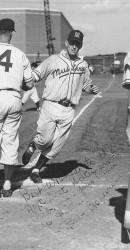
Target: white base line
(29, 183)
(85, 107)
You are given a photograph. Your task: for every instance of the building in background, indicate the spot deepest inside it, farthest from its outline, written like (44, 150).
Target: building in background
(30, 34)
(112, 63)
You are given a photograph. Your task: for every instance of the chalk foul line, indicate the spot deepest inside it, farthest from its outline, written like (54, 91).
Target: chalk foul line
(86, 106)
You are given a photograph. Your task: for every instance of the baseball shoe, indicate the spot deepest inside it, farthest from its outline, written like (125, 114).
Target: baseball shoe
(28, 153)
(36, 178)
(6, 193)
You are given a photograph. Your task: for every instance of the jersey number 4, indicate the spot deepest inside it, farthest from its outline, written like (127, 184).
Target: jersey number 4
(7, 64)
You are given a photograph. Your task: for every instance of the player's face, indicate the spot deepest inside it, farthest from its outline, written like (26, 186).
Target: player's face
(73, 47)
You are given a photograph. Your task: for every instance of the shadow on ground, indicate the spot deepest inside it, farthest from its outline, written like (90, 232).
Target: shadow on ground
(120, 204)
(55, 170)
(30, 109)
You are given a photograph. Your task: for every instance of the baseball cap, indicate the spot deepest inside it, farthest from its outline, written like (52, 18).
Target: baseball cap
(75, 35)
(7, 24)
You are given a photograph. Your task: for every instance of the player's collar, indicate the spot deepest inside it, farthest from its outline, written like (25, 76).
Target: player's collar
(65, 54)
(8, 44)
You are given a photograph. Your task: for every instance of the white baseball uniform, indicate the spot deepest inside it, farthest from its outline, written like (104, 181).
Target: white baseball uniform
(14, 67)
(126, 84)
(64, 80)
(126, 75)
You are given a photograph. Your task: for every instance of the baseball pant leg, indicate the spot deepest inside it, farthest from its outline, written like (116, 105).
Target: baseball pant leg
(46, 127)
(10, 140)
(53, 128)
(9, 133)
(61, 135)
(128, 122)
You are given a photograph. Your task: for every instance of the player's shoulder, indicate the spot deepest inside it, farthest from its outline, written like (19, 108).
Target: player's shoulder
(128, 54)
(127, 58)
(17, 50)
(85, 63)
(52, 57)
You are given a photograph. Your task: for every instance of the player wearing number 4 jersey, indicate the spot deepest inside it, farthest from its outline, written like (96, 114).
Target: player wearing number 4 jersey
(15, 69)
(66, 75)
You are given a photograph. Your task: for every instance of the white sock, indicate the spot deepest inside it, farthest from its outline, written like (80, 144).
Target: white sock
(7, 185)
(35, 170)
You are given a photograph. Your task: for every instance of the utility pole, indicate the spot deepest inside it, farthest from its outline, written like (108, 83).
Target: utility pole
(50, 46)
(38, 60)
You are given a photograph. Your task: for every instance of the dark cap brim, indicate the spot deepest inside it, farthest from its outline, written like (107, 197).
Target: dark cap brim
(74, 39)
(7, 29)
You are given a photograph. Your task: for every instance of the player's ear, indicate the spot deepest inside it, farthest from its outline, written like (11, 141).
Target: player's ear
(66, 43)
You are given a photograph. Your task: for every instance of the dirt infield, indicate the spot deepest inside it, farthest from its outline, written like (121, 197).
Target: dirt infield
(81, 203)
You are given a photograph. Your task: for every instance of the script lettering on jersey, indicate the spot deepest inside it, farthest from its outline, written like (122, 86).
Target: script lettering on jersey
(57, 72)
(74, 70)
(7, 64)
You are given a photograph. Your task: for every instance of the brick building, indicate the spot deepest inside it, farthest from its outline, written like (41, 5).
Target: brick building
(30, 27)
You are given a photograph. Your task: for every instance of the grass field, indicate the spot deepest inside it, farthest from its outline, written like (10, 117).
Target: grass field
(81, 203)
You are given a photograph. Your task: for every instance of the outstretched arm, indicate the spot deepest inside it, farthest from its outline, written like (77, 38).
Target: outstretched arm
(88, 87)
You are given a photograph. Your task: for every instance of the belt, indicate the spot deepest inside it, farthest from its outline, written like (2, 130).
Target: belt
(66, 103)
(10, 90)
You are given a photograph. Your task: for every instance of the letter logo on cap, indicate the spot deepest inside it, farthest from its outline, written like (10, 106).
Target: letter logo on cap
(77, 34)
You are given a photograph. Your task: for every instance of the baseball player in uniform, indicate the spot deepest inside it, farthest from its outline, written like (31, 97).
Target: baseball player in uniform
(126, 85)
(126, 75)
(32, 93)
(15, 69)
(66, 76)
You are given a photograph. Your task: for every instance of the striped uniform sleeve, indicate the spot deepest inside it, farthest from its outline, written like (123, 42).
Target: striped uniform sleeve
(26, 69)
(36, 75)
(87, 80)
(126, 74)
(42, 70)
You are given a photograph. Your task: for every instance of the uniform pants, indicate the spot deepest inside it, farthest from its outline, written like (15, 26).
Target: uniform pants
(32, 93)
(10, 118)
(53, 128)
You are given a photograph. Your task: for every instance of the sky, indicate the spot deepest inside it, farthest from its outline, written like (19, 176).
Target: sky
(104, 23)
